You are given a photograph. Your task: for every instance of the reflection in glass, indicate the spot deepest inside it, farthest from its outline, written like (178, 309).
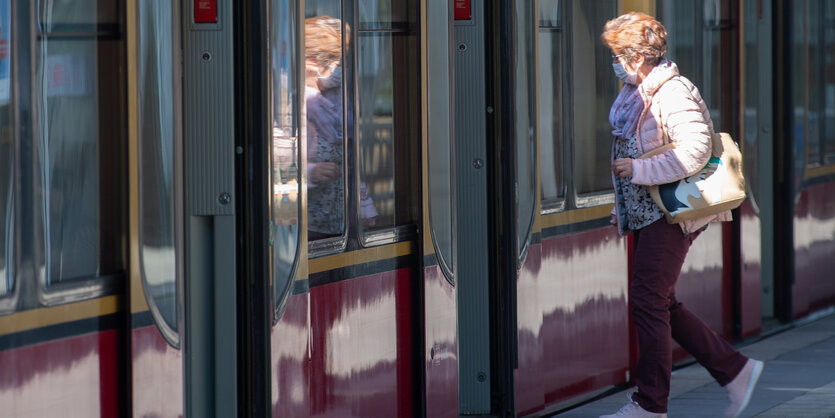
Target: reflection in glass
(325, 133)
(751, 90)
(7, 151)
(284, 173)
(595, 88)
(828, 71)
(552, 181)
(388, 125)
(549, 13)
(383, 14)
(158, 232)
(67, 152)
(525, 122)
(376, 127)
(439, 161)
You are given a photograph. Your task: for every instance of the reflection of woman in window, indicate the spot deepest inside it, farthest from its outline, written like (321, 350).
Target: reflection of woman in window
(325, 140)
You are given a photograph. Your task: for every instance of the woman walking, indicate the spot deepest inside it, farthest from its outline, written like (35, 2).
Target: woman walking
(658, 106)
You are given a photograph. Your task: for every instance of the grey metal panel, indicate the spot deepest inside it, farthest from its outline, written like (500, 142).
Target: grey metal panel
(765, 149)
(208, 113)
(210, 343)
(198, 342)
(225, 361)
(470, 267)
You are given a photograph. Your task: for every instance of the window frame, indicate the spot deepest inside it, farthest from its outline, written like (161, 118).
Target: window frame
(394, 233)
(90, 287)
(171, 335)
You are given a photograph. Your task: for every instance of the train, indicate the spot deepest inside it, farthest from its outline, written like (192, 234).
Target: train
(354, 208)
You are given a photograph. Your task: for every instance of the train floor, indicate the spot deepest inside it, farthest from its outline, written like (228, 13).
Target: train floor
(798, 380)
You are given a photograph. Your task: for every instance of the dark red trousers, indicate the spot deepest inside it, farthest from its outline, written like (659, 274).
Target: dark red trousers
(659, 318)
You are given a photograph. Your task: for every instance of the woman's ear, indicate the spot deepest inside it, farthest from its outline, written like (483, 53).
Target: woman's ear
(639, 59)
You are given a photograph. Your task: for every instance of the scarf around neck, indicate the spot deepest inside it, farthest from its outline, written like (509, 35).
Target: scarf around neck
(625, 112)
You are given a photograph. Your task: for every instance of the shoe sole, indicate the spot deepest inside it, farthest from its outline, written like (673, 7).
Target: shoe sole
(755, 376)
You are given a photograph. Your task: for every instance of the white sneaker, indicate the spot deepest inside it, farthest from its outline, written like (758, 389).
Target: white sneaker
(633, 410)
(742, 387)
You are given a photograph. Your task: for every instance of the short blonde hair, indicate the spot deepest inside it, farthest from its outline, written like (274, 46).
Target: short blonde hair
(323, 40)
(636, 32)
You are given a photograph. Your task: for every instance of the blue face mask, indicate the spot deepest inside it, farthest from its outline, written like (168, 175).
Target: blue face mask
(623, 75)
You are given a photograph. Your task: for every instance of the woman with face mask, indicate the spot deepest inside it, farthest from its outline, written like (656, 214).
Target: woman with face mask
(658, 106)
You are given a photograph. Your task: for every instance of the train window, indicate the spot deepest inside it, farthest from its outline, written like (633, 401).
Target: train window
(751, 114)
(285, 145)
(7, 151)
(594, 88)
(159, 181)
(525, 123)
(77, 163)
(679, 18)
(551, 126)
(828, 75)
(695, 43)
(814, 37)
(387, 123)
(326, 158)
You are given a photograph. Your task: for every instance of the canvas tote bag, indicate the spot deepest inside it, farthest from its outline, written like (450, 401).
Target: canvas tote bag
(718, 187)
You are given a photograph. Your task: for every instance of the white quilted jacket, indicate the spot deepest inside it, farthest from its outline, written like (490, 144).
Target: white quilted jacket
(674, 103)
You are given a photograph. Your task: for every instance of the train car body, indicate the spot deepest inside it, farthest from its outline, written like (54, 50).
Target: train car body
(375, 209)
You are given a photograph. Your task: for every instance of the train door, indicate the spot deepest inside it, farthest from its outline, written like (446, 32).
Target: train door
(343, 131)
(184, 287)
(494, 151)
(63, 213)
(757, 223)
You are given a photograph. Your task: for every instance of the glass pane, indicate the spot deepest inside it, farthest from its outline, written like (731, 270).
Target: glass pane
(75, 15)
(324, 80)
(678, 18)
(68, 169)
(283, 70)
(799, 75)
(388, 128)
(549, 13)
(828, 69)
(814, 82)
(157, 222)
(552, 181)
(7, 151)
(384, 14)
(439, 124)
(710, 84)
(750, 112)
(595, 88)
(285, 144)
(376, 128)
(525, 122)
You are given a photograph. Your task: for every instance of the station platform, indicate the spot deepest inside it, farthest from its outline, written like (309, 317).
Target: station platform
(798, 380)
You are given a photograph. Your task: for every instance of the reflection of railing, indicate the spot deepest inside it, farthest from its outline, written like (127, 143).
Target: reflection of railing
(285, 179)
(377, 150)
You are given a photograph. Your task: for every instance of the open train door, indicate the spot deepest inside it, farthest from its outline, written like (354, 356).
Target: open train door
(493, 192)
(759, 227)
(183, 251)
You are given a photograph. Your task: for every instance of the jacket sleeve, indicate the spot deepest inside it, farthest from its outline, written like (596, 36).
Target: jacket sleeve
(686, 122)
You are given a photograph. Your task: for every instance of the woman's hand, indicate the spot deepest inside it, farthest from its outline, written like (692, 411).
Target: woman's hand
(622, 167)
(325, 172)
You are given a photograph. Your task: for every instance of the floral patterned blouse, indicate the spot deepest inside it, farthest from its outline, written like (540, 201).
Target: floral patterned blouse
(635, 205)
